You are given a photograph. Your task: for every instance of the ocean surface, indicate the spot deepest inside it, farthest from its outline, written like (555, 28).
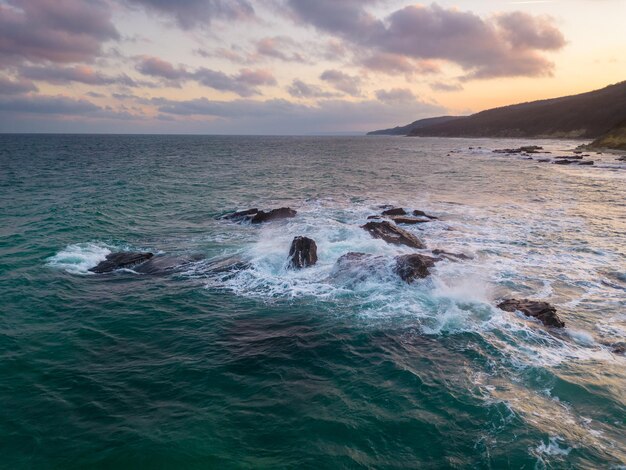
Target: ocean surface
(231, 360)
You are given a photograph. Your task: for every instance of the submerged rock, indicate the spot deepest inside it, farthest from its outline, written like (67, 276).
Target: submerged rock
(247, 214)
(563, 162)
(121, 260)
(392, 234)
(395, 211)
(162, 265)
(588, 162)
(355, 267)
(570, 157)
(524, 149)
(274, 214)
(303, 253)
(451, 256)
(420, 213)
(256, 216)
(415, 266)
(400, 219)
(542, 311)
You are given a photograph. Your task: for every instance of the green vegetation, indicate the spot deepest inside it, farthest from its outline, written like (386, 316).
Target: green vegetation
(614, 139)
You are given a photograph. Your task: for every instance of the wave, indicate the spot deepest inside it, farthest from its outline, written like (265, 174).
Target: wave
(80, 257)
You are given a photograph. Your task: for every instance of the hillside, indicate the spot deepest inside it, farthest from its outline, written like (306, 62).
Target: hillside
(404, 130)
(588, 115)
(614, 139)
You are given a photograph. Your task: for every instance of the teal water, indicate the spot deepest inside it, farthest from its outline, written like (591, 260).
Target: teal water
(262, 367)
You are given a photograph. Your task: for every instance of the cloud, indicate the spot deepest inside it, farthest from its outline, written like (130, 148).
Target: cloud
(396, 63)
(244, 83)
(342, 81)
(395, 95)
(279, 47)
(10, 87)
(155, 67)
(300, 89)
(40, 104)
(194, 13)
(509, 44)
(54, 30)
(279, 116)
(80, 73)
(446, 87)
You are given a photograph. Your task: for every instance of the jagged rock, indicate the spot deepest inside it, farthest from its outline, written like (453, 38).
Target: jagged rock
(399, 219)
(120, 260)
(450, 256)
(420, 213)
(411, 267)
(303, 253)
(543, 311)
(395, 211)
(392, 234)
(274, 214)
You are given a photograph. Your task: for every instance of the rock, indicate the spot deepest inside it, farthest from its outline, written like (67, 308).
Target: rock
(619, 348)
(411, 267)
(450, 256)
(303, 253)
(588, 162)
(274, 214)
(544, 160)
(352, 256)
(563, 162)
(226, 267)
(121, 260)
(399, 219)
(353, 267)
(620, 159)
(370, 217)
(163, 265)
(395, 211)
(571, 157)
(392, 234)
(526, 149)
(543, 311)
(249, 213)
(420, 213)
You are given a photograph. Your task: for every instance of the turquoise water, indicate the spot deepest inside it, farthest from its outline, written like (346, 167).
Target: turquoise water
(262, 367)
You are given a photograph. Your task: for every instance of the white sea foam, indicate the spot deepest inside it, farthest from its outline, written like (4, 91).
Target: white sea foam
(78, 258)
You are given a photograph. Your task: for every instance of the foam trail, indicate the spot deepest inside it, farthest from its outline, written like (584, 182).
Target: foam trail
(79, 258)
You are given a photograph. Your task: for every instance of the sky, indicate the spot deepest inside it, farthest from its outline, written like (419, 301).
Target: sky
(288, 67)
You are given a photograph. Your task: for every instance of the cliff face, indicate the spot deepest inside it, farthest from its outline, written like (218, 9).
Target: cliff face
(587, 115)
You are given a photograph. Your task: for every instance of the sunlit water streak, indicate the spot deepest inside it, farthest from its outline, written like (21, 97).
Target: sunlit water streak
(266, 367)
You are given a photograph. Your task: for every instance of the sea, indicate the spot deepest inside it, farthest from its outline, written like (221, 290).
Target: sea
(230, 359)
